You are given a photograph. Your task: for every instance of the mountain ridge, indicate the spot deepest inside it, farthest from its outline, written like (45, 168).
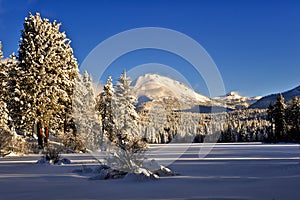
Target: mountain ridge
(154, 87)
(265, 101)
(151, 87)
(234, 100)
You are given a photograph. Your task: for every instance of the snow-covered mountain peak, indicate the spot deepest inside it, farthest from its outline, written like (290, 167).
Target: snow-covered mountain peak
(154, 87)
(233, 94)
(236, 101)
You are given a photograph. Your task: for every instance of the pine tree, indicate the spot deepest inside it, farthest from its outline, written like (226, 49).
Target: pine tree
(270, 117)
(84, 113)
(5, 133)
(3, 77)
(42, 90)
(293, 119)
(105, 110)
(7, 66)
(126, 117)
(279, 119)
(9, 140)
(129, 152)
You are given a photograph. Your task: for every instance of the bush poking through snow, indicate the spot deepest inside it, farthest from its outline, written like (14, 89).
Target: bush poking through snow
(5, 142)
(52, 156)
(10, 143)
(109, 173)
(127, 156)
(71, 141)
(19, 145)
(158, 169)
(141, 174)
(149, 171)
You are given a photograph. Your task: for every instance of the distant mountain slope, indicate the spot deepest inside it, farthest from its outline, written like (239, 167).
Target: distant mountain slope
(154, 87)
(265, 101)
(150, 87)
(234, 100)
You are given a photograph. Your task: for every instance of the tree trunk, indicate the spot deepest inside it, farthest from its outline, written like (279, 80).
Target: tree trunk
(46, 138)
(40, 135)
(65, 125)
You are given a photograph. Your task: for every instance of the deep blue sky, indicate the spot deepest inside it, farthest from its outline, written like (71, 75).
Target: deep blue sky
(255, 44)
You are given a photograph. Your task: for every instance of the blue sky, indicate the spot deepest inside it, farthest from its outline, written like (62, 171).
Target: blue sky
(255, 44)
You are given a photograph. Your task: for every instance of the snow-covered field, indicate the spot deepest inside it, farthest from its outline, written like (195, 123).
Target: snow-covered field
(229, 171)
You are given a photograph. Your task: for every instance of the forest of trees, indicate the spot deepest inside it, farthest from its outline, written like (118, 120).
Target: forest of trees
(44, 97)
(285, 120)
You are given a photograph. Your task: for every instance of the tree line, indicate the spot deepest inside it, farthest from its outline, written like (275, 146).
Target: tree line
(43, 94)
(285, 120)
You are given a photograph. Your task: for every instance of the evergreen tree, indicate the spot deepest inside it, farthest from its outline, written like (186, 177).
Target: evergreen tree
(6, 77)
(270, 117)
(125, 115)
(9, 140)
(279, 119)
(3, 77)
(293, 119)
(42, 90)
(5, 133)
(84, 113)
(129, 152)
(105, 110)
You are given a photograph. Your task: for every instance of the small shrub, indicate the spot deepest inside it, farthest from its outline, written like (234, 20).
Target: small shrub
(5, 142)
(12, 143)
(52, 154)
(20, 145)
(72, 142)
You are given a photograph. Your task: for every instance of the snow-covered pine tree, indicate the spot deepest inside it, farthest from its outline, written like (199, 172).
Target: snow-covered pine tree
(3, 77)
(5, 66)
(47, 69)
(10, 141)
(84, 112)
(104, 108)
(125, 115)
(129, 152)
(157, 120)
(5, 133)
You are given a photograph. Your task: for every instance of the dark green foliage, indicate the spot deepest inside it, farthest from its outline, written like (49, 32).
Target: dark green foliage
(285, 121)
(104, 107)
(279, 119)
(293, 119)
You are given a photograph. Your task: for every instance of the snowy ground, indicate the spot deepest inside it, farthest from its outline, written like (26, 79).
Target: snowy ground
(229, 171)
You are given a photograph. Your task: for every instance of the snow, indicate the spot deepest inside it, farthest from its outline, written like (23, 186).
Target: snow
(154, 87)
(12, 154)
(236, 101)
(264, 102)
(229, 171)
